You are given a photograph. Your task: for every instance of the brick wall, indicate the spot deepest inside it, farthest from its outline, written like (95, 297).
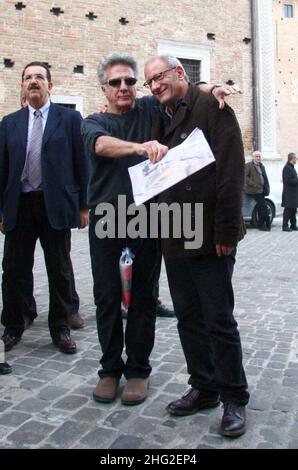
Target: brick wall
(71, 39)
(286, 59)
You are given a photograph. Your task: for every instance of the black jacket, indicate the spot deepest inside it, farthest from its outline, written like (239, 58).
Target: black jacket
(290, 187)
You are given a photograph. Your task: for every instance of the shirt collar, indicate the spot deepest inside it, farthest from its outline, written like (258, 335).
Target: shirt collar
(164, 110)
(43, 109)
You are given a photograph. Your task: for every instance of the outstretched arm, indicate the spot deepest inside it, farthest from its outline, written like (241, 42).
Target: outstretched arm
(116, 148)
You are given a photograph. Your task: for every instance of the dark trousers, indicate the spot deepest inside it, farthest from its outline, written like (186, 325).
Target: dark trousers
(203, 300)
(263, 214)
(18, 259)
(29, 308)
(157, 274)
(140, 324)
(289, 214)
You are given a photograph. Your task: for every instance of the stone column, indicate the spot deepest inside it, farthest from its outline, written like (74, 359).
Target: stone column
(265, 78)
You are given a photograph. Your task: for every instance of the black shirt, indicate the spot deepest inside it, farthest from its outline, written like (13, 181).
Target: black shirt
(109, 176)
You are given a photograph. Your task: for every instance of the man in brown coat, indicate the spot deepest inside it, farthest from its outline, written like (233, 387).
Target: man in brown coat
(257, 186)
(200, 280)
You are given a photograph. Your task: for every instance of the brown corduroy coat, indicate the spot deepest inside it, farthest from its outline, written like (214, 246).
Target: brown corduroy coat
(219, 186)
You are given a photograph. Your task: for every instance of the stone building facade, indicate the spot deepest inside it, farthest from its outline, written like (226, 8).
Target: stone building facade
(285, 30)
(251, 42)
(275, 70)
(214, 34)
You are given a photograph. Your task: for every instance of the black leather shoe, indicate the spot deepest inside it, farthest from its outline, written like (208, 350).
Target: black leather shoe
(10, 341)
(65, 343)
(286, 229)
(75, 321)
(163, 311)
(5, 368)
(294, 229)
(191, 402)
(233, 420)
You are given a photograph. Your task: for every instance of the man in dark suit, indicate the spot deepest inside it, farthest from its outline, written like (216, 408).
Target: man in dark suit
(43, 181)
(75, 321)
(290, 194)
(200, 278)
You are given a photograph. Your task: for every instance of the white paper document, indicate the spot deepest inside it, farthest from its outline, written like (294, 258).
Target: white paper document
(149, 179)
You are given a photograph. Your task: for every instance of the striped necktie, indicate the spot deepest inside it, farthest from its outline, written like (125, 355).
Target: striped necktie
(34, 152)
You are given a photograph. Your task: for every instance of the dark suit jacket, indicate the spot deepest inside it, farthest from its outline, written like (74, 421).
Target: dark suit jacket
(290, 187)
(63, 161)
(219, 186)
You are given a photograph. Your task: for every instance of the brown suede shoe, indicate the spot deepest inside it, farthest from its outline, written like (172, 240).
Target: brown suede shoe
(75, 321)
(135, 391)
(106, 390)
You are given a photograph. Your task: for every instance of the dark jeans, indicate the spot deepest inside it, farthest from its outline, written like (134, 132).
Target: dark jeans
(263, 214)
(289, 214)
(203, 300)
(140, 324)
(18, 259)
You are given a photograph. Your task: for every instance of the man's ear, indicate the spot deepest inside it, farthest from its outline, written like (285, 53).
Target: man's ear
(103, 88)
(181, 72)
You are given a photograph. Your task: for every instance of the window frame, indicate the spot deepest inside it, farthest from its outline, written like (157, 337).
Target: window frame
(288, 7)
(77, 101)
(188, 51)
(195, 62)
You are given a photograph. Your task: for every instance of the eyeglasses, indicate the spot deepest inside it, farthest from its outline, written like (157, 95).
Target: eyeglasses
(116, 82)
(36, 76)
(157, 78)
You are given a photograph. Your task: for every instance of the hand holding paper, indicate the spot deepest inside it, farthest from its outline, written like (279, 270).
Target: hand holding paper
(149, 179)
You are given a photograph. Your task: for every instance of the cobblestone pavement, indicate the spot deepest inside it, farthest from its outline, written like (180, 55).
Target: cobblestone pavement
(47, 401)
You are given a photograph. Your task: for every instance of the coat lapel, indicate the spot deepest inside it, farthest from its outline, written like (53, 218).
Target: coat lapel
(178, 118)
(21, 122)
(53, 121)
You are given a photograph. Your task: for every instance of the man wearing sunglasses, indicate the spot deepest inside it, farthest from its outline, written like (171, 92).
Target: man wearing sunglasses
(200, 280)
(116, 140)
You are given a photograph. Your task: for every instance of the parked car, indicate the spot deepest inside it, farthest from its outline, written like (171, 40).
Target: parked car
(273, 201)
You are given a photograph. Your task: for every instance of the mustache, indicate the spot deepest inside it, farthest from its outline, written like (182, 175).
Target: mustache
(33, 87)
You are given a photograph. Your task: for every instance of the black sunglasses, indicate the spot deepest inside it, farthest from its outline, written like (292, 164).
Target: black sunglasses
(116, 82)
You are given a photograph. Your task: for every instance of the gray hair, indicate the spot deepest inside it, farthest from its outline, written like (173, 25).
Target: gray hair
(114, 59)
(256, 152)
(169, 60)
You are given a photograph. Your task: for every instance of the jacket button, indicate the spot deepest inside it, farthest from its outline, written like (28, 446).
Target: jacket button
(188, 187)
(183, 135)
